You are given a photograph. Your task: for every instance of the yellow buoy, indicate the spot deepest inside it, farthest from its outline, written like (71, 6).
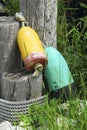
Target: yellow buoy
(31, 48)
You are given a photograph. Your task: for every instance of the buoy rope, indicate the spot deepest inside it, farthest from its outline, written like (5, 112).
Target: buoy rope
(19, 17)
(38, 68)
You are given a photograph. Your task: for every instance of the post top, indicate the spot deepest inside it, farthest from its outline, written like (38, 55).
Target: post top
(7, 19)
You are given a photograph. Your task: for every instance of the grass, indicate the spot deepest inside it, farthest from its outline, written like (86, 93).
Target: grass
(71, 115)
(72, 43)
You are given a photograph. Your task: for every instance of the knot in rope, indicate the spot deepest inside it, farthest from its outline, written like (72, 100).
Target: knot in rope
(38, 68)
(19, 17)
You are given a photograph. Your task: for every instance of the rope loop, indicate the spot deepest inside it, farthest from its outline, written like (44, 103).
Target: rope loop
(19, 17)
(38, 68)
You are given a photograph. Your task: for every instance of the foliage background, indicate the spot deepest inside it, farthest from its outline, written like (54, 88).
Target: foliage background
(11, 6)
(72, 40)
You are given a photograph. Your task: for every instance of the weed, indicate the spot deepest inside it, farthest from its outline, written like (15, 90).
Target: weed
(71, 115)
(72, 43)
(11, 6)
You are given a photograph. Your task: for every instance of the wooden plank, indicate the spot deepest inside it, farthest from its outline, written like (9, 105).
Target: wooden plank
(42, 16)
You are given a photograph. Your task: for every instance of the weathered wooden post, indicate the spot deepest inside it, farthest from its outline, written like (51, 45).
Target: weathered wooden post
(20, 86)
(9, 52)
(42, 16)
(15, 84)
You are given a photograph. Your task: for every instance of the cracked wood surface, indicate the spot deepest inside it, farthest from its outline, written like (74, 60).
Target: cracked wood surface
(42, 16)
(21, 86)
(9, 52)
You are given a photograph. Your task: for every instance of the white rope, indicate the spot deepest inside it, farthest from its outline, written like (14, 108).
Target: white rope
(38, 68)
(19, 17)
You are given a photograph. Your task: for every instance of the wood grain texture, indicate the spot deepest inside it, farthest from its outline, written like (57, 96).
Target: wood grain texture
(21, 86)
(9, 52)
(42, 16)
